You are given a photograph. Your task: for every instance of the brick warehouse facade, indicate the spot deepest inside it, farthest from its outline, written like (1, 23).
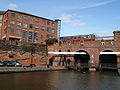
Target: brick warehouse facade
(91, 46)
(24, 27)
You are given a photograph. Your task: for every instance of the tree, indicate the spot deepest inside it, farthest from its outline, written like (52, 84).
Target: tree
(51, 41)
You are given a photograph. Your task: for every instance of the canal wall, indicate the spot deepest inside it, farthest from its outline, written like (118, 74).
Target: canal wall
(29, 69)
(25, 53)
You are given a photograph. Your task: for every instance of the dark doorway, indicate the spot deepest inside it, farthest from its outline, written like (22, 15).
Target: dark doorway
(83, 59)
(51, 61)
(108, 60)
(68, 62)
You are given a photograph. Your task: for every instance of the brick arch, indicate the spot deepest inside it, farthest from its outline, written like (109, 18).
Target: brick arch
(83, 59)
(86, 50)
(108, 59)
(107, 49)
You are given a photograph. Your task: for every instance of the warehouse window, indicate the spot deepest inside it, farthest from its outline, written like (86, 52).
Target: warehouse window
(18, 31)
(30, 36)
(31, 26)
(19, 24)
(19, 16)
(50, 36)
(24, 36)
(31, 19)
(25, 25)
(36, 27)
(13, 14)
(52, 30)
(53, 24)
(25, 17)
(43, 28)
(11, 30)
(12, 22)
(48, 29)
(48, 22)
(36, 37)
(0, 17)
(43, 22)
(36, 20)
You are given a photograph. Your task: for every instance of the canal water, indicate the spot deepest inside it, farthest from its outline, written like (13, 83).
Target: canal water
(60, 80)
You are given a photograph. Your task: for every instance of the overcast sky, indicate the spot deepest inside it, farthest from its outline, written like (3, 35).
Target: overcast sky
(100, 17)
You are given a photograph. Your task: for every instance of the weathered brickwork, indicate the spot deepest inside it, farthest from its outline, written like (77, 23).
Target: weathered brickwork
(92, 47)
(26, 53)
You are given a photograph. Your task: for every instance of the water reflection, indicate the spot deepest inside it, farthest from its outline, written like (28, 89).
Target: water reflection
(60, 80)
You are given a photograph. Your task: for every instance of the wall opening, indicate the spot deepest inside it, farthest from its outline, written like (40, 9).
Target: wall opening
(82, 59)
(108, 60)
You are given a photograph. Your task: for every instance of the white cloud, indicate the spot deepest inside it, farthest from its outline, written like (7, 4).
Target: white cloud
(96, 4)
(91, 4)
(70, 19)
(12, 6)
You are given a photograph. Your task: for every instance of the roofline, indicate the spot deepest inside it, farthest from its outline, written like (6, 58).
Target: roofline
(29, 14)
(77, 35)
(116, 32)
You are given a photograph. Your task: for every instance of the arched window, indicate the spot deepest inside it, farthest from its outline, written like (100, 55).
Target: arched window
(59, 50)
(102, 43)
(68, 50)
(69, 42)
(81, 43)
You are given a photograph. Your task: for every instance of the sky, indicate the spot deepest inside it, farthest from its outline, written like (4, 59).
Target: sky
(79, 17)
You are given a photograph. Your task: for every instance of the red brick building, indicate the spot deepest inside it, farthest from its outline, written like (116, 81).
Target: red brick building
(1, 17)
(91, 46)
(15, 25)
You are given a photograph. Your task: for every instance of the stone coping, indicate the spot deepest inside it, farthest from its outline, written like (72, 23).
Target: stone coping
(29, 69)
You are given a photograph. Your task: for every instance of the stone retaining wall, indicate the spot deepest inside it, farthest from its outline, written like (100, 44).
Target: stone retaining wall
(25, 53)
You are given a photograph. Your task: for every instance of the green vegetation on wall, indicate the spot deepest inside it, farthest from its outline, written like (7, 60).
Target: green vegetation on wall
(51, 41)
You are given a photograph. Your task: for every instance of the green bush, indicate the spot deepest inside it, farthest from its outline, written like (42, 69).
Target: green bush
(51, 41)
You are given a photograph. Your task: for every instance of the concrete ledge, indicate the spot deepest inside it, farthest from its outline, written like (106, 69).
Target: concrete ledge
(28, 69)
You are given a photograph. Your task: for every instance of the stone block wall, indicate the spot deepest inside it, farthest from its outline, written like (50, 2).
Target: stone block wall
(25, 53)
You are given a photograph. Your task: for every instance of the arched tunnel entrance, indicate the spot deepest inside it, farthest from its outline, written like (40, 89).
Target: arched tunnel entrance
(82, 59)
(108, 61)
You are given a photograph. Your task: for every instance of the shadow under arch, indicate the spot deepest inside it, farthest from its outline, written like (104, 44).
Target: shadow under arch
(82, 59)
(108, 60)
(51, 61)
